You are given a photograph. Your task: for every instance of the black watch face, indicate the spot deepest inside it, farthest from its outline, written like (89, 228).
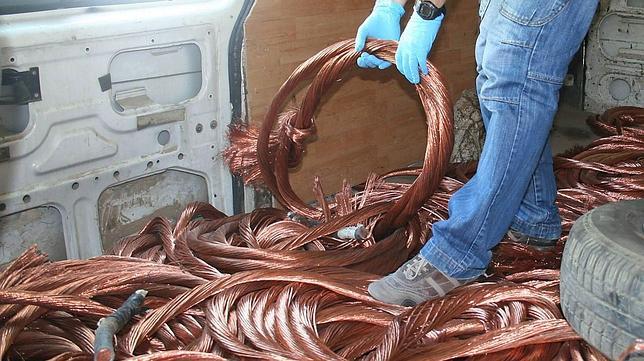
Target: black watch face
(427, 11)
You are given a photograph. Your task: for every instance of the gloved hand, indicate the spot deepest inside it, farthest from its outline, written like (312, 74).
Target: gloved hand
(414, 46)
(383, 24)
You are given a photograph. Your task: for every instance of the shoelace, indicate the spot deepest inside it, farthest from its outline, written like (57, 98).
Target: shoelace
(415, 268)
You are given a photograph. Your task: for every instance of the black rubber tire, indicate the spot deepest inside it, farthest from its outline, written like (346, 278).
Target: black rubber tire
(602, 277)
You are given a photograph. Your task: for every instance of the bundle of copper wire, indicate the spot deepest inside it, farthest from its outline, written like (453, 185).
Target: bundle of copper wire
(277, 284)
(264, 155)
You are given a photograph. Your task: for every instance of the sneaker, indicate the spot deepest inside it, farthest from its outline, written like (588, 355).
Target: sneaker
(414, 282)
(540, 244)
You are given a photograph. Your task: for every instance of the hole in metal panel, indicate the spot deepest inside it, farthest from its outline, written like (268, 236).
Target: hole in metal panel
(26, 198)
(75, 186)
(125, 208)
(42, 226)
(155, 76)
(619, 89)
(14, 119)
(164, 137)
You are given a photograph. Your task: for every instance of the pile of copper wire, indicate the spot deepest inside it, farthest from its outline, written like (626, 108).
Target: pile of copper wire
(283, 285)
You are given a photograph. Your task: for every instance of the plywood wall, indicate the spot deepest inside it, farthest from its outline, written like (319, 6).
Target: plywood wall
(372, 121)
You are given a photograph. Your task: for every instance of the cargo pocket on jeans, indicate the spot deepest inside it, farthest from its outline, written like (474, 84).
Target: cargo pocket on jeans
(532, 13)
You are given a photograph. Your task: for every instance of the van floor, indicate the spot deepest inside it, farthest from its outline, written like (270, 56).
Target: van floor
(570, 130)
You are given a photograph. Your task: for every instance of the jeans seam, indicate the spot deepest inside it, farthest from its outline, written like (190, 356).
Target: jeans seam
(500, 99)
(483, 9)
(544, 78)
(539, 231)
(453, 269)
(449, 260)
(446, 260)
(538, 189)
(522, 223)
(525, 22)
(535, 181)
(515, 43)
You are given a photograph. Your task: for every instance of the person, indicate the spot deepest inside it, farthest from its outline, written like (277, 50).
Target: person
(522, 53)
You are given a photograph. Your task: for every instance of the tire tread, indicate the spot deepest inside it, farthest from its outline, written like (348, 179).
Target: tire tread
(601, 289)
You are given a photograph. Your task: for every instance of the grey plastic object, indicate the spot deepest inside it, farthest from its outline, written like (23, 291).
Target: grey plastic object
(602, 277)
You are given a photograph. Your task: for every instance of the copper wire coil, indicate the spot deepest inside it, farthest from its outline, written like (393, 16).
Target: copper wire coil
(265, 286)
(279, 143)
(628, 121)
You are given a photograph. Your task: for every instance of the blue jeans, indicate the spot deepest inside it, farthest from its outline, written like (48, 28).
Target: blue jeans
(522, 54)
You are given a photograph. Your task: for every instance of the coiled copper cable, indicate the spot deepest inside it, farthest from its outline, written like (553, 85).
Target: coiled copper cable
(281, 148)
(265, 286)
(250, 301)
(628, 121)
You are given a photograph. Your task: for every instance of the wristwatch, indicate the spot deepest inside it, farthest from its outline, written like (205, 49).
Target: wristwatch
(427, 10)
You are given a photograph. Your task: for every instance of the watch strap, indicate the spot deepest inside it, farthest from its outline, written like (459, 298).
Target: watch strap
(427, 10)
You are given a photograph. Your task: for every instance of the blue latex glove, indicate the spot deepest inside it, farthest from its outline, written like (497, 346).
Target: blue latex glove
(383, 24)
(414, 46)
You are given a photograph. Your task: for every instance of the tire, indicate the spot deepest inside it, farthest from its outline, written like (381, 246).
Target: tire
(602, 277)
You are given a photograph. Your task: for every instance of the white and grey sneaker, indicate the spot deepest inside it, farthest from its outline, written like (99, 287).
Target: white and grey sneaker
(541, 244)
(414, 282)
